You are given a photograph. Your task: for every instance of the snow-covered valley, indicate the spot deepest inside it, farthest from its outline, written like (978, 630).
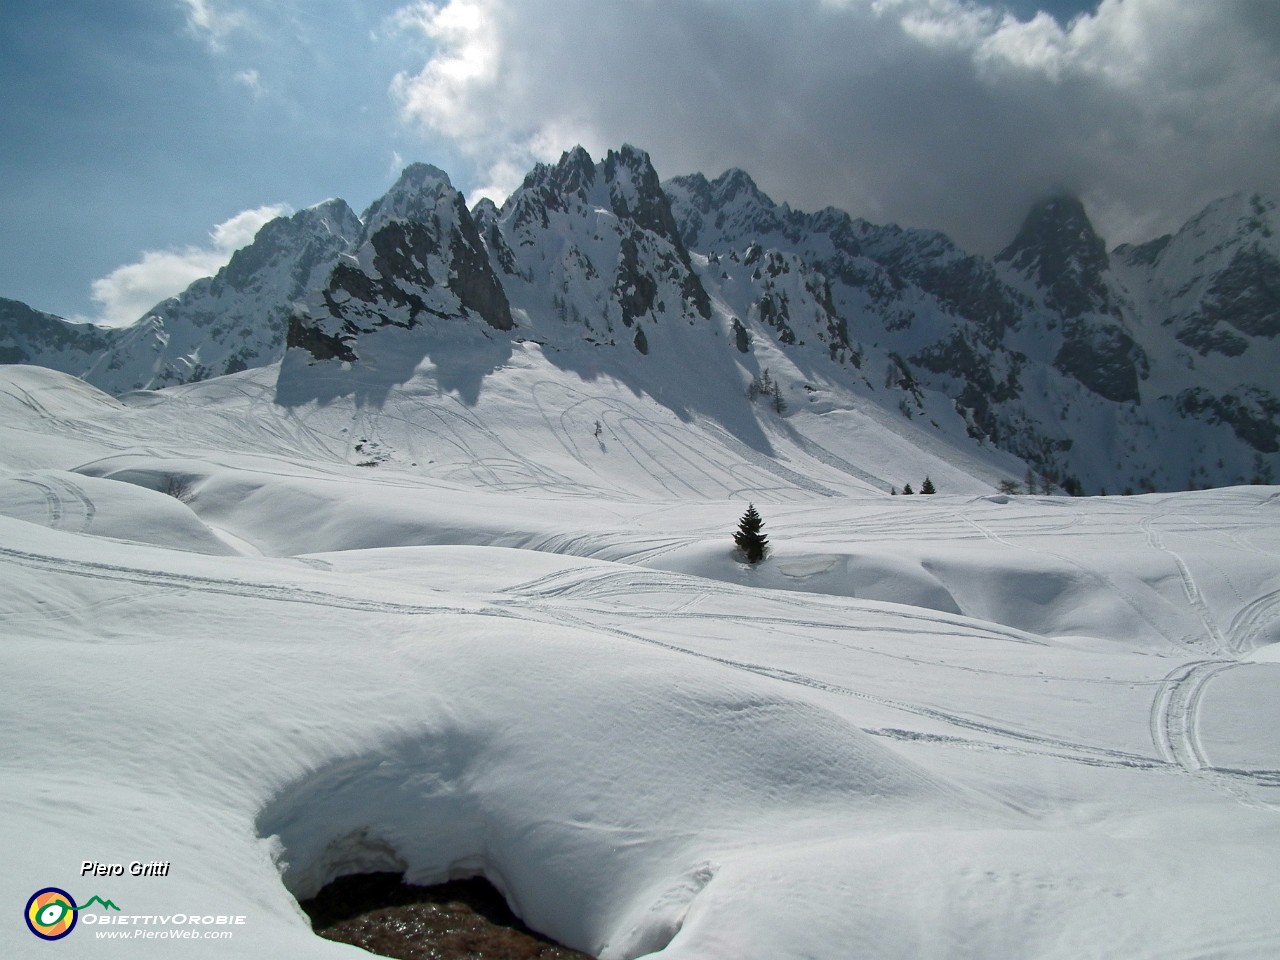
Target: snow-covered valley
(504, 632)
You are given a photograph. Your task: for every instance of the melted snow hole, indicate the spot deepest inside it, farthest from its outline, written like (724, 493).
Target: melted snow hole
(458, 920)
(393, 833)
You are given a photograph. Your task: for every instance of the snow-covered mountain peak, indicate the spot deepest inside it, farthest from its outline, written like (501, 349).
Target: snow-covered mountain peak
(484, 212)
(575, 173)
(734, 183)
(416, 195)
(333, 214)
(421, 266)
(1216, 282)
(1209, 240)
(590, 251)
(305, 235)
(1236, 216)
(719, 213)
(635, 193)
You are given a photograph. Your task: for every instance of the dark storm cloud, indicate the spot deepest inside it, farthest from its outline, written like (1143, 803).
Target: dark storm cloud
(925, 112)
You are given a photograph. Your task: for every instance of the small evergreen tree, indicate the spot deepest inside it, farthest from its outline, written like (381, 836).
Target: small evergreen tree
(749, 539)
(927, 487)
(1009, 486)
(907, 491)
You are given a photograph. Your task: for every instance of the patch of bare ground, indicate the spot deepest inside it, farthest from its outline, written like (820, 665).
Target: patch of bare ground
(458, 920)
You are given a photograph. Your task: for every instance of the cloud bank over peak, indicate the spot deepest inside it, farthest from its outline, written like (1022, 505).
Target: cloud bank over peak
(942, 113)
(128, 291)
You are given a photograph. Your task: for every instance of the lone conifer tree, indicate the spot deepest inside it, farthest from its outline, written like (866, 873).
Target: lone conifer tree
(749, 539)
(928, 486)
(907, 490)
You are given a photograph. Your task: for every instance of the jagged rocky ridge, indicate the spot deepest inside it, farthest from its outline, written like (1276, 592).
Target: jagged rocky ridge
(1072, 358)
(1146, 367)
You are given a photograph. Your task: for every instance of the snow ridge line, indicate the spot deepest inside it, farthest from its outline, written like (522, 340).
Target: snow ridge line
(1100, 578)
(584, 588)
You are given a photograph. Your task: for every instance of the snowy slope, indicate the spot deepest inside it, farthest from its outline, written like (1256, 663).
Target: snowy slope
(964, 726)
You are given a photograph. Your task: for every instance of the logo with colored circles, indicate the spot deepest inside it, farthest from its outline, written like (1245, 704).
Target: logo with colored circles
(51, 913)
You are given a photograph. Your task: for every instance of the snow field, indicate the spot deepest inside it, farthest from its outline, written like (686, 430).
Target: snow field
(959, 726)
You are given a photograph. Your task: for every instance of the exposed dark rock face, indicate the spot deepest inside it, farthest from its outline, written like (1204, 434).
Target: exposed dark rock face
(1246, 294)
(1058, 249)
(485, 215)
(320, 345)
(1206, 336)
(1253, 413)
(1103, 358)
(635, 289)
(642, 200)
(988, 380)
(422, 257)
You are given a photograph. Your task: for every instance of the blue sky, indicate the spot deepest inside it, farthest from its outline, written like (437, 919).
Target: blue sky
(128, 129)
(133, 129)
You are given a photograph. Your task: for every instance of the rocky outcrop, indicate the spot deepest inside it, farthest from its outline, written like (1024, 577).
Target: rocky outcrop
(421, 259)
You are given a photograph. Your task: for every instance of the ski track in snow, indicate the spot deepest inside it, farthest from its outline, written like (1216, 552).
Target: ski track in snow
(1189, 587)
(58, 493)
(1249, 621)
(1175, 730)
(1077, 752)
(253, 590)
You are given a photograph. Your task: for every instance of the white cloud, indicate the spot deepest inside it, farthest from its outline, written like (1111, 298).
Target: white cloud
(213, 22)
(129, 291)
(466, 72)
(230, 235)
(946, 113)
(251, 80)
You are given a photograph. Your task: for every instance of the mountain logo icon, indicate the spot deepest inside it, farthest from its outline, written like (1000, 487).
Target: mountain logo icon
(51, 913)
